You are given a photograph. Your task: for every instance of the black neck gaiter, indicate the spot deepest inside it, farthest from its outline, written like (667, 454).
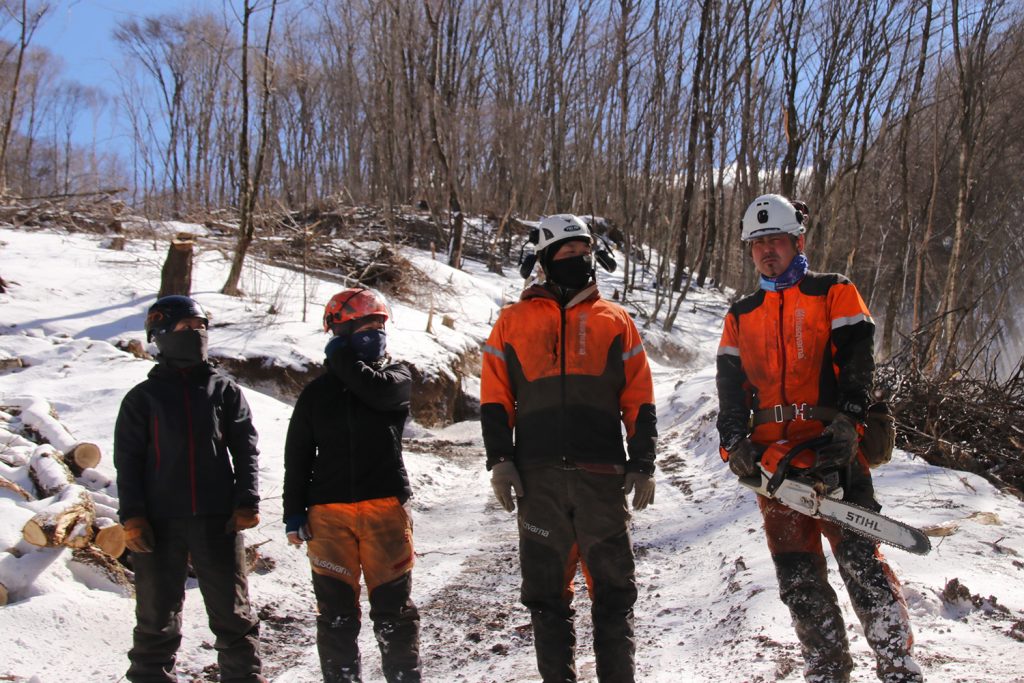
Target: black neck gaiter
(182, 349)
(574, 272)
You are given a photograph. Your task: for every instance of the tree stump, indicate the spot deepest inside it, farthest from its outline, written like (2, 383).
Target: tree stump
(176, 275)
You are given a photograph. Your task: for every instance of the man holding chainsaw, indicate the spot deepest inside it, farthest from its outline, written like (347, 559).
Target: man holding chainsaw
(796, 362)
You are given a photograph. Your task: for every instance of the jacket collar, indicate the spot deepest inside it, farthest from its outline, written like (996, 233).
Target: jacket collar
(588, 293)
(195, 371)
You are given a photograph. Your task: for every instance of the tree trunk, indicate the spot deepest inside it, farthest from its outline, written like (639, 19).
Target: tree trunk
(176, 275)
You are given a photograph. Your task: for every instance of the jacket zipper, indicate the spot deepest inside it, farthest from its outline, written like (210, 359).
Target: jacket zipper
(191, 442)
(156, 440)
(561, 427)
(782, 357)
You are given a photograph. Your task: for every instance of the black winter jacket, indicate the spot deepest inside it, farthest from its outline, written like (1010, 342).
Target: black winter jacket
(184, 445)
(344, 440)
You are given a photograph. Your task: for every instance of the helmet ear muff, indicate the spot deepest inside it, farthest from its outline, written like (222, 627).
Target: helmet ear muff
(526, 264)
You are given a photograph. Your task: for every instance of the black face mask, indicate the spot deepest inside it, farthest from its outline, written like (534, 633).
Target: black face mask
(574, 272)
(182, 349)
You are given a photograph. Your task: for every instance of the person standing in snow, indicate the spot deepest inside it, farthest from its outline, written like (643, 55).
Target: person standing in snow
(795, 362)
(345, 489)
(563, 370)
(186, 458)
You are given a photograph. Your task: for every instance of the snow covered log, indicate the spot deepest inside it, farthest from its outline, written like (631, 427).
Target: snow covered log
(48, 472)
(82, 456)
(105, 506)
(20, 566)
(38, 415)
(98, 570)
(8, 485)
(108, 536)
(68, 520)
(14, 448)
(94, 480)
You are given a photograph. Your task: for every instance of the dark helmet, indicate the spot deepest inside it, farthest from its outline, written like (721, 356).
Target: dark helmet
(167, 311)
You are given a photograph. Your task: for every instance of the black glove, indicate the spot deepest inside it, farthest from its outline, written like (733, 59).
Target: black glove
(743, 458)
(845, 440)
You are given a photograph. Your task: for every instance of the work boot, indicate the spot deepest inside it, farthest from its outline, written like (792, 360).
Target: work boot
(396, 626)
(804, 588)
(878, 601)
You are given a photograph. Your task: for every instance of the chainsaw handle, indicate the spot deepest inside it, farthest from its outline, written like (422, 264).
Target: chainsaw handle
(781, 469)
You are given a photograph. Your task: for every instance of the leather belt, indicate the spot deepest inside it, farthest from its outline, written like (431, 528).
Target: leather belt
(794, 411)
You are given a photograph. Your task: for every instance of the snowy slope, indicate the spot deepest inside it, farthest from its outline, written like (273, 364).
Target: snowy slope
(708, 608)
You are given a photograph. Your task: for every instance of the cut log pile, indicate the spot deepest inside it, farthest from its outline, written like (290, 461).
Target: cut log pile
(51, 493)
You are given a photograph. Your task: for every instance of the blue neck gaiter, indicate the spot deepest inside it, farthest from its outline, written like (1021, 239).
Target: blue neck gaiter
(789, 277)
(368, 345)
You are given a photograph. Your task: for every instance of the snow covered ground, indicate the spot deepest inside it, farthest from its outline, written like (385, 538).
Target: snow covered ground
(708, 607)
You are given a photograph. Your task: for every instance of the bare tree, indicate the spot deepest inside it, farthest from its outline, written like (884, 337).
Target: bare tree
(251, 171)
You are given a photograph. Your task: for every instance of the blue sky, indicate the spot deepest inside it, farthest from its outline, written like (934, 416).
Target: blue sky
(81, 32)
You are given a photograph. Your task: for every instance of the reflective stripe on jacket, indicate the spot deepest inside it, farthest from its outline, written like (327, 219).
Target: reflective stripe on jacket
(811, 344)
(565, 379)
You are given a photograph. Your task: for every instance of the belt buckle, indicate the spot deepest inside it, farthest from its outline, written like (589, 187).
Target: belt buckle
(779, 416)
(799, 411)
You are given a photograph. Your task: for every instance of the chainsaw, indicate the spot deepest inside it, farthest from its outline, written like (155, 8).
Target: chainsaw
(790, 476)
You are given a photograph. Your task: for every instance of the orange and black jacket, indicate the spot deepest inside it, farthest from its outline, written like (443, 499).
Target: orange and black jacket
(563, 379)
(809, 345)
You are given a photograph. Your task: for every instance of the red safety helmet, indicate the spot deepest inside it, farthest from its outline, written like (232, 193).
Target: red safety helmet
(352, 304)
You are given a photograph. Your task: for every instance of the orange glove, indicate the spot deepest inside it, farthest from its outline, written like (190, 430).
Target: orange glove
(243, 518)
(138, 535)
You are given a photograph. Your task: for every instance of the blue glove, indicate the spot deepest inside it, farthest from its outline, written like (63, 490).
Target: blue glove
(298, 524)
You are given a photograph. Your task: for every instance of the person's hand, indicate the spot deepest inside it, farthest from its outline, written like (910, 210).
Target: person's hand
(743, 458)
(505, 478)
(843, 448)
(242, 518)
(297, 528)
(644, 486)
(138, 535)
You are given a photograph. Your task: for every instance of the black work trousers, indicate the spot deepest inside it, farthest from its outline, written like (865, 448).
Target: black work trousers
(218, 558)
(567, 516)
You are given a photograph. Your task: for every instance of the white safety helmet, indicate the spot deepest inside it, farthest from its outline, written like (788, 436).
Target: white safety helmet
(772, 214)
(561, 227)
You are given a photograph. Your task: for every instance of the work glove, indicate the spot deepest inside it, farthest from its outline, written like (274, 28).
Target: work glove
(297, 528)
(644, 486)
(743, 458)
(843, 448)
(138, 535)
(242, 518)
(505, 478)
